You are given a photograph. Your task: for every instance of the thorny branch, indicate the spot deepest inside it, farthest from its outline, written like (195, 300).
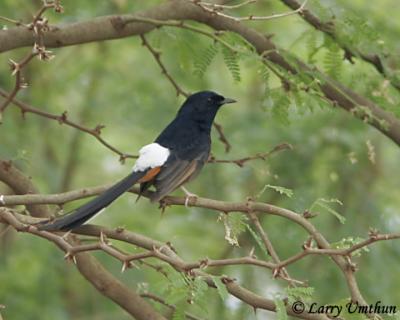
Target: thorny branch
(63, 119)
(350, 51)
(174, 13)
(167, 254)
(155, 249)
(342, 257)
(157, 56)
(262, 156)
(39, 26)
(217, 10)
(316, 244)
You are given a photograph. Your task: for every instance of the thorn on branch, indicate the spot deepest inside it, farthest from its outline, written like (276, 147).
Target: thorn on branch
(276, 273)
(119, 229)
(63, 118)
(126, 265)
(203, 264)
(122, 158)
(307, 214)
(70, 257)
(14, 66)
(226, 280)
(373, 234)
(351, 265)
(307, 244)
(171, 246)
(98, 128)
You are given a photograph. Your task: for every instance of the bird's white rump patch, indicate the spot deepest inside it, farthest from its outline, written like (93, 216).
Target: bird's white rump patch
(151, 156)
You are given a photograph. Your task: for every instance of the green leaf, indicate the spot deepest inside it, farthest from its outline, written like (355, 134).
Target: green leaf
(282, 190)
(278, 103)
(221, 288)
(322, 203)
(333, 59)
(258, 240)
(179, 313)
(348, 242)
(280, 309)
(204, 59)
(231, 61)
(235, 223)
(265, 74)
(299, 294)
(176, 295)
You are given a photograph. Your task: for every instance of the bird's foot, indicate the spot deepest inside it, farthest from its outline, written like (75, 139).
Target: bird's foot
(189, 196)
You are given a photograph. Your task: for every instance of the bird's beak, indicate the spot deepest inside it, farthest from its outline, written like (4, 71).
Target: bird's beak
(228, 100)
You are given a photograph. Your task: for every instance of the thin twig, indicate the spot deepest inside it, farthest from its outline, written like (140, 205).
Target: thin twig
(261, 156)
(63, 119)
(156, 54)
(155, 249)
(39, 25)
(180, 24)
(229, 7)
(16, 68)
(16, 22)
(214, 9)
(222, 137)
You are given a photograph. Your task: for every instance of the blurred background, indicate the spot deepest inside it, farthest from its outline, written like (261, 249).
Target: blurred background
(118, 84)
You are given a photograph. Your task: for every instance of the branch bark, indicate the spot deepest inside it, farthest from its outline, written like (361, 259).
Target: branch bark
(88, 266)
(330, 29)
(115, 26)
(21, 184)
(344, 264)
(161, 251)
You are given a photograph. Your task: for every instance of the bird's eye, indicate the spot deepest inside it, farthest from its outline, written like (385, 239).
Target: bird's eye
(209, 99)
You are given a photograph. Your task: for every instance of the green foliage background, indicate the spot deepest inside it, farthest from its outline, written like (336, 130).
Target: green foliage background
(118, 84)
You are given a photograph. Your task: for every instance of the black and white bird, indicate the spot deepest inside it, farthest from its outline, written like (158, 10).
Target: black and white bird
(174, 158)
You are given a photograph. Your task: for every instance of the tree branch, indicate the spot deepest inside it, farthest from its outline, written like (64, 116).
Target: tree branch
(216, 9)
(159, 250)
(113, 27)
(63, 119)
(156, 54)
(89, 267)
(20, 184)
(262, 156)
(329, 29)
(343, 261)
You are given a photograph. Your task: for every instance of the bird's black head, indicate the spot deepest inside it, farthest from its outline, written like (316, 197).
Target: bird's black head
(203, 105)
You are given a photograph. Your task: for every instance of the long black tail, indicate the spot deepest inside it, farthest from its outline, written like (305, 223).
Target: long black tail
(82, 214)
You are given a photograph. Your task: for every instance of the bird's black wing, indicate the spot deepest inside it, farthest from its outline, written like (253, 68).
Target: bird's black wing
(176, 171)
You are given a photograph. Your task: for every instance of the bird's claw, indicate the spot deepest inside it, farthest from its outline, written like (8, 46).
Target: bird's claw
(190, 196)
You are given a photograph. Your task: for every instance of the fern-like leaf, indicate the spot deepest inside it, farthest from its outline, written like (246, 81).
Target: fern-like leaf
(179, 313)
(231, 61)
(333, 59)
(204, 59)
(280, 309)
